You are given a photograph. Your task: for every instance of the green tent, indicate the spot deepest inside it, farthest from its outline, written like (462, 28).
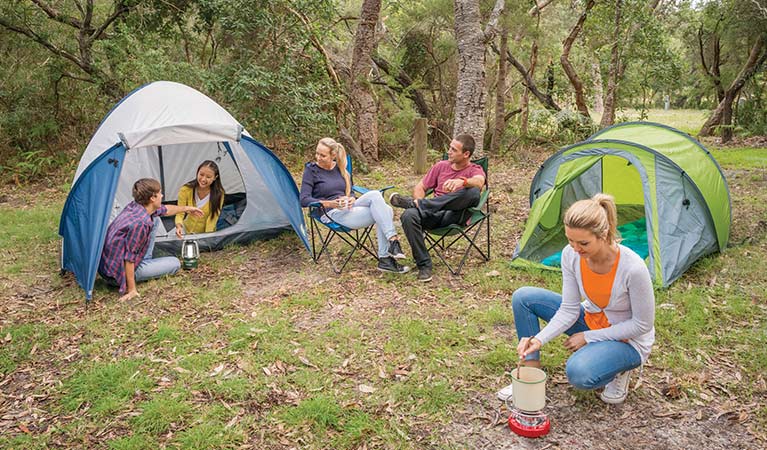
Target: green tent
(673, 201)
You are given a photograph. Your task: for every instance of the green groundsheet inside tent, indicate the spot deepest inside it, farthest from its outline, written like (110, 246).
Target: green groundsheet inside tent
(633, 236)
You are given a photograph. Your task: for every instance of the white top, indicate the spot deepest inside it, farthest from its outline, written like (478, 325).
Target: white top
(200, 202)
(631, 310)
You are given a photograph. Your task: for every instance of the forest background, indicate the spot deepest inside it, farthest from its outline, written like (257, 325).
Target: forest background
(296, 70)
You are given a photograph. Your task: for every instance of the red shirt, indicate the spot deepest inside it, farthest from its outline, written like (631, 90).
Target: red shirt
(443, 171)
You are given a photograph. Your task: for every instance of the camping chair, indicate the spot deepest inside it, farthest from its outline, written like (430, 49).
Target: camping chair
(357, 239)
(439, 240)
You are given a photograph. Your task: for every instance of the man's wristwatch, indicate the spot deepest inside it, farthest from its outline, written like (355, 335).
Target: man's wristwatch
(465, 181)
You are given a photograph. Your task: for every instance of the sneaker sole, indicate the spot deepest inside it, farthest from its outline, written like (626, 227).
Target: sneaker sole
(393, 271)
(424, 280)
(398, 256)
(612, 401)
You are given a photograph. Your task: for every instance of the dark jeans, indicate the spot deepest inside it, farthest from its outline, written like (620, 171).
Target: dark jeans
(436, 212)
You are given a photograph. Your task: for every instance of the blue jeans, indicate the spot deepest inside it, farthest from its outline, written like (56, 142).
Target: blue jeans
(370, 208)
(590, 367)
(149, 267)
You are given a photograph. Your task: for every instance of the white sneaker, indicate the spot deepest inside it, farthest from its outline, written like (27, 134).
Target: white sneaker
(616, 391)
(505, 394)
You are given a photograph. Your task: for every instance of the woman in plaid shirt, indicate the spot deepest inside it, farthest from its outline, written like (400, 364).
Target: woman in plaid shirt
(127, 254)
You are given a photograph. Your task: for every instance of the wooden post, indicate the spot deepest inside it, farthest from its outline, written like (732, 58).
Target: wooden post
(419, 142)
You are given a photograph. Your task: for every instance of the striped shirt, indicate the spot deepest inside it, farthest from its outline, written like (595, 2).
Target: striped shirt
(127, 240)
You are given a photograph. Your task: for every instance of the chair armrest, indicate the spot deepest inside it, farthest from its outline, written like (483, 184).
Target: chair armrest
(360, 189)
(364, 190)
(482, 201)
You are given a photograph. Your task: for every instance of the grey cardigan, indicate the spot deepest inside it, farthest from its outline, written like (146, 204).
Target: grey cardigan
(631, 310)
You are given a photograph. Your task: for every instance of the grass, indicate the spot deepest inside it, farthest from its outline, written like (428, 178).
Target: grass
(260, 347)
(106, 387)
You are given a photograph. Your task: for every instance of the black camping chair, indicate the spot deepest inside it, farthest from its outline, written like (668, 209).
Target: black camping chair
(439, 240)
(357, 239)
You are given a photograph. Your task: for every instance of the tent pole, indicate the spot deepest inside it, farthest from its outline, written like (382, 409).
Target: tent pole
(162, 170)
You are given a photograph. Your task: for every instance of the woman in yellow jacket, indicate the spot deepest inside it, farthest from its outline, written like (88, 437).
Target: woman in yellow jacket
(205, 192)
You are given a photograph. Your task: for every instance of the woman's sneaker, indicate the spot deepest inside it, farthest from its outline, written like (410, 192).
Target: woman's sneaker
(505, 394)
(616, 391)
(395, 250)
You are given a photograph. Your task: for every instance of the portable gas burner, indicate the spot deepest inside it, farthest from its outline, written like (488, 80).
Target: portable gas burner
(529, 424)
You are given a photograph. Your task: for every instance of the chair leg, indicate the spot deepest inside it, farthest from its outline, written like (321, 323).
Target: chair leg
(468, 249)
(439, 247)
(356, 241)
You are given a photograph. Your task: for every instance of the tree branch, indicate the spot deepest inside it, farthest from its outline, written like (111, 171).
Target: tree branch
(31, 34)
(119, 10)
(575, 81)
(57, 16)
(536, 10)
(407, 83)
(545, 99)
(492, 23)
(329, 68)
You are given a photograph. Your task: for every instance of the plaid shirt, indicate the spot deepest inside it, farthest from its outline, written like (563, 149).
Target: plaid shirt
(127, 240)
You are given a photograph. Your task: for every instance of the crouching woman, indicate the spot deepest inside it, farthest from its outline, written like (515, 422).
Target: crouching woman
(607, 305)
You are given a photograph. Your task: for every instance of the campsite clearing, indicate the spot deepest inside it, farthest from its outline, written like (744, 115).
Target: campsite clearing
(261, 348)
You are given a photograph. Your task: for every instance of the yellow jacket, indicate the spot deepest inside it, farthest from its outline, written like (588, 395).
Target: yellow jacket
(204, 224)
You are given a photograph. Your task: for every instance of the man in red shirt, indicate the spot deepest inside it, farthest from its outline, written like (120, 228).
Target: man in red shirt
(457, 183)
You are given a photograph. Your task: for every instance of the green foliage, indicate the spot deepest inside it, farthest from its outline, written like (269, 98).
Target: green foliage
(751, 112)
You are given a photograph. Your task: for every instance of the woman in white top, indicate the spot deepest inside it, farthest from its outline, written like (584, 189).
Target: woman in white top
(607, 305)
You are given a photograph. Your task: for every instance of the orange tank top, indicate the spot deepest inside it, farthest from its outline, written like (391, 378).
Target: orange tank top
(598, 288)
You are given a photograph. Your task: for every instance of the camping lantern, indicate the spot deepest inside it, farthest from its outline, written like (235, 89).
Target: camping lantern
(190, 253)
(529, 397)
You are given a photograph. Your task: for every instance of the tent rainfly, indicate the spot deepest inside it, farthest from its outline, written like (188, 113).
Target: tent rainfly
(164, 130)
(672, 197)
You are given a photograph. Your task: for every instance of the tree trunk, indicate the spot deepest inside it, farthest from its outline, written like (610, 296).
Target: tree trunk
(608, 116)
(575, 81)
(596, 75)
(713, 72)
(363, 102)
(470, 91)
(525, 107)
(500, 95)
(722, 115)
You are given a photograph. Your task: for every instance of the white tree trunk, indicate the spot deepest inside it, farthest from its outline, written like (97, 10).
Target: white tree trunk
(596, 76)
(470, 95)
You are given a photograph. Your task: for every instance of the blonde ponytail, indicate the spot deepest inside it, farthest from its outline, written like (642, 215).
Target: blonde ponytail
(339, 152)
(597, 214)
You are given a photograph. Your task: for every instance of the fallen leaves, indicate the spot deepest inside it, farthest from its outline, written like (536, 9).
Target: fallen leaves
(364, 388)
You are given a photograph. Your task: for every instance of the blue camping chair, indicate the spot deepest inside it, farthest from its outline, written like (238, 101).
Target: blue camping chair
(357, 239)
(439, 240)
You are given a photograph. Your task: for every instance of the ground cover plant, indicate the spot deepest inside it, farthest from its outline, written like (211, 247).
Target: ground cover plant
(261, 348)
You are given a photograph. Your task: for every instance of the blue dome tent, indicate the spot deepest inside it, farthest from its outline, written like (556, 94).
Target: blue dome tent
(164, 130)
